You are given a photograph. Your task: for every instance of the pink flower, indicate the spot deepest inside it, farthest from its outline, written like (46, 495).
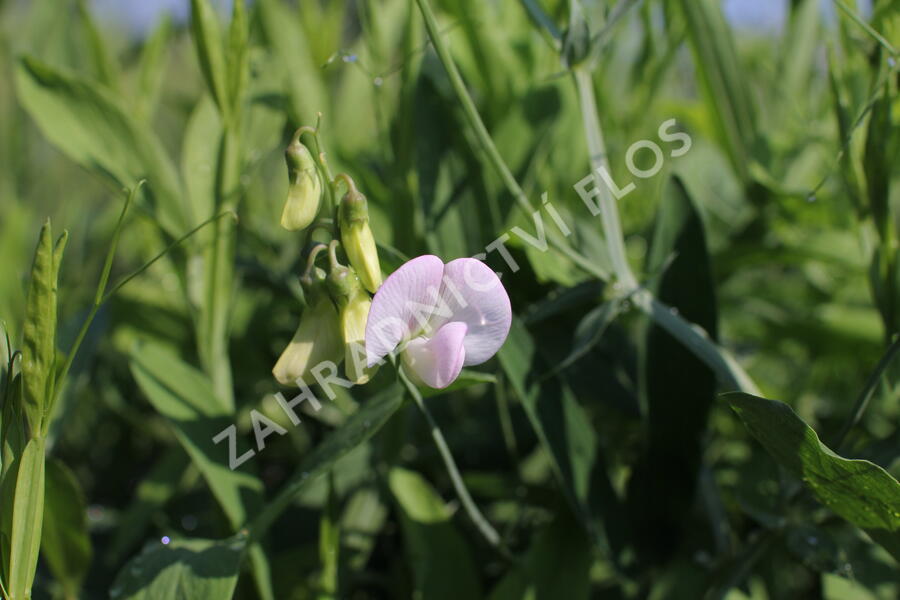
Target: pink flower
(441, 317)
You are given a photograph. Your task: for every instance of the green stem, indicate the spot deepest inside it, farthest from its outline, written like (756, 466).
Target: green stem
(219, 271)
(98, 299)
(609, 213)
(484, 527)
(691, 336)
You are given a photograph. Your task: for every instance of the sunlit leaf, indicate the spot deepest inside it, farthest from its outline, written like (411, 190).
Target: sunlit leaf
(180, 569)
(857, 490)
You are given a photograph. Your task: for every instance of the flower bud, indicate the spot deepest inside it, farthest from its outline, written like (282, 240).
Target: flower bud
(318, 337)
(353, 308)
(353, 319)
(304, 188)
(359, 244)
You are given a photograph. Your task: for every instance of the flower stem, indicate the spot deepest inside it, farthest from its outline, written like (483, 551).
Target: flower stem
(609, 213)
(484, 527)
(690, 335)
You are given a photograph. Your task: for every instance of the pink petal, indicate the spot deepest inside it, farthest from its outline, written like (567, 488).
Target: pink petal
(402, 306)
(476, 297)
(439, 359)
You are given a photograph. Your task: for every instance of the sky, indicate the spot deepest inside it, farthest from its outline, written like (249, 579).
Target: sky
(140, 15)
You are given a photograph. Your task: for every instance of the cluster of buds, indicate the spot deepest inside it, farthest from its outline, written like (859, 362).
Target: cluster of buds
(333, 324)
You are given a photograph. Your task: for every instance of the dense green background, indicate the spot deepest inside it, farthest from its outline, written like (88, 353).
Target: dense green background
(596, 443)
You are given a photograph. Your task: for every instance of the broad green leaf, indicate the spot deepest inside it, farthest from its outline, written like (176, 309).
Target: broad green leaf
(65, 543)
(184, 396)
(439, 556)
(207, 35)
(678, 388)
(182, 570)
(103, 64)
(199, 159)
(27, 516)
(557, 565)
(724, 84)
(94, 129)
(857, 490)
(39, 331)
(151, 74)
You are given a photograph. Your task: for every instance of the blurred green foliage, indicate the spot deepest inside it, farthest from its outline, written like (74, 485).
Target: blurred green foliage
(596, 443)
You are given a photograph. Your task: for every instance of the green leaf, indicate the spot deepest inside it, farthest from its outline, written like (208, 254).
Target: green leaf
(288, 40)
(439, 556)
(801, 40)
(237, 55)
(678, 388)
(13, 433)
(27, 517)
(95, 130)
(102, 63)
(198, 165)
(557, 565)
(207, 37)
(879, 163)
(182, 569)
(363, 519)
(184, 396)
(859, 491)
(65, 543)
(724, 83)
(151, 74)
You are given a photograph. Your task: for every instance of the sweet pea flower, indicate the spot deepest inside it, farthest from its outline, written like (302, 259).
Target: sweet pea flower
(441, 317)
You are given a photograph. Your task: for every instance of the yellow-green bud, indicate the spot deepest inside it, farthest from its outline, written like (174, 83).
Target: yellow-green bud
(304, 188)
(318, 339)
(356, 236)
(353, 317)
(353, 308)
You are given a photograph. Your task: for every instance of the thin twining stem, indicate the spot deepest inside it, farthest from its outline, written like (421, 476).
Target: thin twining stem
(484, 527)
